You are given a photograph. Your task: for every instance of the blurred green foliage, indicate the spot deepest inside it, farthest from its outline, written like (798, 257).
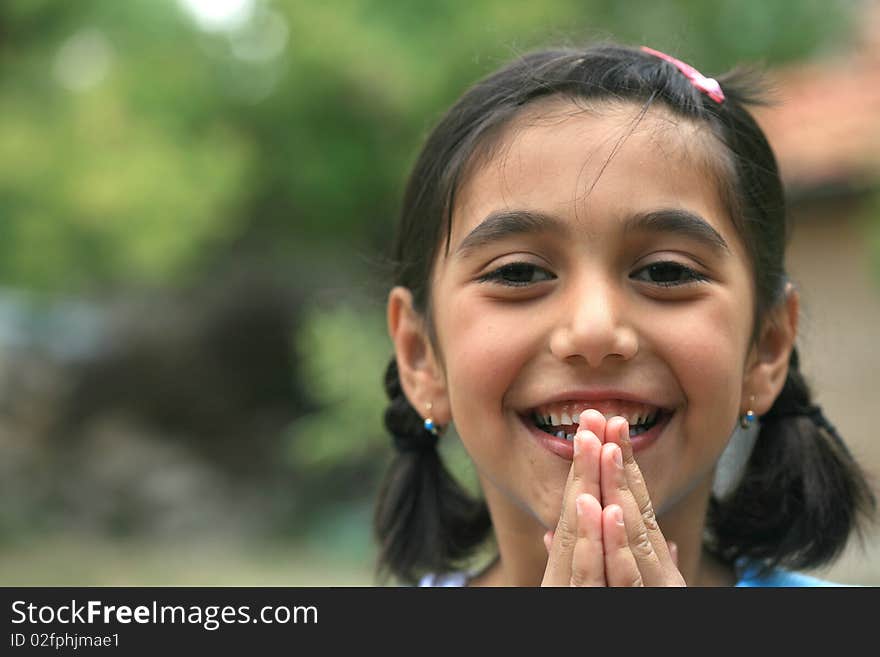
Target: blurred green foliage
(136, 148)
(345, 353)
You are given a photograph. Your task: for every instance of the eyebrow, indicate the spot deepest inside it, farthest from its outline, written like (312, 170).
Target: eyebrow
(506, 223)
(678, 222)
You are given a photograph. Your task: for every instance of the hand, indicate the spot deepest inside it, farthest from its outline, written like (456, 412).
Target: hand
(576, 555)
(636, 553)
(615, 542)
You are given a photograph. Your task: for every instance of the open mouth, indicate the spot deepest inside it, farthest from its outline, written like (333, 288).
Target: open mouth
(565, 427)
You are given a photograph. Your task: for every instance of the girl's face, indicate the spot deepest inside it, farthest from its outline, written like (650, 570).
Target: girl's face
(589, 265)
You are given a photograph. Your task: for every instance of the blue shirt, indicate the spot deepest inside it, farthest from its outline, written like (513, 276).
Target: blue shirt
(747, 576)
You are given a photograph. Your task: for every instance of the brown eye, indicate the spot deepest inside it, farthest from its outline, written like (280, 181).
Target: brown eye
(518, 274)
(669, 274)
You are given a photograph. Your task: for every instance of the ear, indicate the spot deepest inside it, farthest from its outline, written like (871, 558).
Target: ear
(421, 374)
(768, 361)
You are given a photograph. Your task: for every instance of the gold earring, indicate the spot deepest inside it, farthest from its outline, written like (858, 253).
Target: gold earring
(429, 422)
(746, 420)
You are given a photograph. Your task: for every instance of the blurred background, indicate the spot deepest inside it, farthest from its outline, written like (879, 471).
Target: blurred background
(195, 201)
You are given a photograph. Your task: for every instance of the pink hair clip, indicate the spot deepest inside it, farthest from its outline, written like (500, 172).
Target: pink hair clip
(708, 86)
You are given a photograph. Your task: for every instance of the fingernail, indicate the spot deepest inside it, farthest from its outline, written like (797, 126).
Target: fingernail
(578, 443)
(579, 503)
(618, 457)
(618, 515)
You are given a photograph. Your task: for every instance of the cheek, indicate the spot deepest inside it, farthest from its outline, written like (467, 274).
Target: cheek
(709, 357)
(484, 351)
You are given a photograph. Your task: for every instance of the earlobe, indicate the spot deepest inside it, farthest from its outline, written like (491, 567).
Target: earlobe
(421, 377)
(769, 358)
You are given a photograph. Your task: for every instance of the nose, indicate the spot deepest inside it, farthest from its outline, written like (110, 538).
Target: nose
(592, 326)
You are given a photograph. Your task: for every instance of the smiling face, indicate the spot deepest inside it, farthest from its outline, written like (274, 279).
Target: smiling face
(564, 287)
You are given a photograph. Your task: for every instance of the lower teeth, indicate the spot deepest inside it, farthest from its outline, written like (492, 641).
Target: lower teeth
(633, 431)
(642, 428)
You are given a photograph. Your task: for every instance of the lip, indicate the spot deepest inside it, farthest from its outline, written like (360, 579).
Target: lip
(602, 394)
(565, 449)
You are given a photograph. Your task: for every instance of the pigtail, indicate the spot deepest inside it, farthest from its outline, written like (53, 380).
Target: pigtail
(424, 520)
(801, 494)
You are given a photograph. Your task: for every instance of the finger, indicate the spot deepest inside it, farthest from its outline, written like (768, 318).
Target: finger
(583, 478)
(619, 485)
(620, 564)
(587, 448)
(619, 434)
(555, 571)
(548, 540)
(588, 563)
(593, 420)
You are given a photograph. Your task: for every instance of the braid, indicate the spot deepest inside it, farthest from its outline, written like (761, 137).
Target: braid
(801, 494)
(424, 520)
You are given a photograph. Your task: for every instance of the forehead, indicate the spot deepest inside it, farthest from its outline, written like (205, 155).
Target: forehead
(589, 163)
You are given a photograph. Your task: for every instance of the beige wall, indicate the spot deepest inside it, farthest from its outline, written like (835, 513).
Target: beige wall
(830, 260)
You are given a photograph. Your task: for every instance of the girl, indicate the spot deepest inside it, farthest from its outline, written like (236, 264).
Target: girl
(590, 282)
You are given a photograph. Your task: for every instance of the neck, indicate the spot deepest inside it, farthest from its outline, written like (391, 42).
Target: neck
(684, 523)
(522, 557)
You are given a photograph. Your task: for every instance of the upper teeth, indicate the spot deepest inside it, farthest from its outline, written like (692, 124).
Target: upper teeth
(569, 413)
